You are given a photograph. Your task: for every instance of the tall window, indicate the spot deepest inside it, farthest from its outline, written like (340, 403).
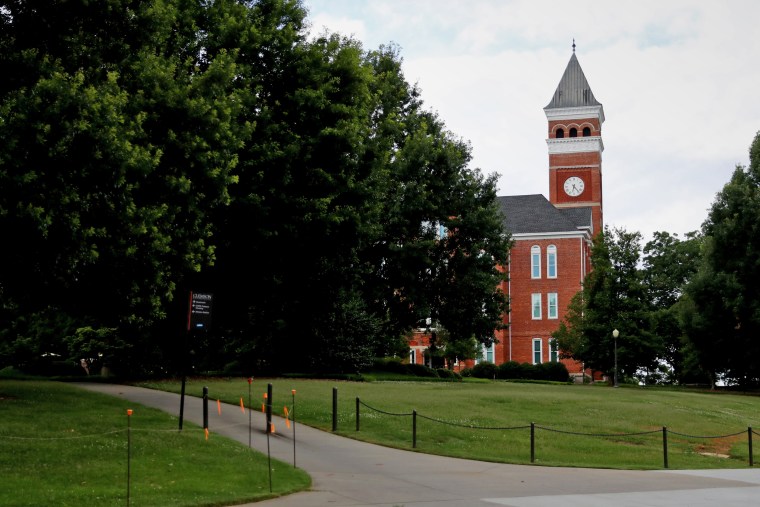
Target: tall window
(487, 353)
(412, 356)
(553, 350)
(586, 132)
(535, 304)
(535, 261)
(551, 303)
(537, 351)
(573, 132)
(560, 133)
(442, 231)
(551, 261)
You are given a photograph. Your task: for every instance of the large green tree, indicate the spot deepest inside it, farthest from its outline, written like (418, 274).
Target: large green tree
(668, 264)
(119, 135)
(721, 313)
(613, 297)
(152, 148)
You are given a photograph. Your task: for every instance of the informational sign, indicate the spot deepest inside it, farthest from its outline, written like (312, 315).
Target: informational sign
(199, 316)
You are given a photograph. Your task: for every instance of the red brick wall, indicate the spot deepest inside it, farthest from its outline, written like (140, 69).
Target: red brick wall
(572, 261)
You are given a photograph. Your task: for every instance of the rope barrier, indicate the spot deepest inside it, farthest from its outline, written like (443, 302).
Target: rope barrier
(112, 432)
(706, 436)
(553, 430)
(72, 437)
(472, 427)
(409, 414)
(603, 435)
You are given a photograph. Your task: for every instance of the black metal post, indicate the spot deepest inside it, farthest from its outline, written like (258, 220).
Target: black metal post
(414, 429)
(269, 408)
(532, 442)
(749, 440)
(269, 430)
(205, 407)
(293, 415)
(250, 407)
(665, 445)
(357, 413)
(335, 409)
(182, 402)
(129, 452)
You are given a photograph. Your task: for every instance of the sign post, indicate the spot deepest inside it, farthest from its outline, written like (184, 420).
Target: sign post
(198, 317)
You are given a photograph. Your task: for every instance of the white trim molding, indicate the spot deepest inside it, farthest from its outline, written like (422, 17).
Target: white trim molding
(575, 113)
(575, 145)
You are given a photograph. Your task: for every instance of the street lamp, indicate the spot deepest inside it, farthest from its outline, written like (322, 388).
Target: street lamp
(615, 334)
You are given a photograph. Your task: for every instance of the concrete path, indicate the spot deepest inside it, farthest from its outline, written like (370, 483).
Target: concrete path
(347, 472)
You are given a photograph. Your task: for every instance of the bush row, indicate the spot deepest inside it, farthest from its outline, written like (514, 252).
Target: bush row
(556, 372)
(394, 365)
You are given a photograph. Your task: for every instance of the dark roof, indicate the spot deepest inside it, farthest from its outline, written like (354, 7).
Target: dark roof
(526, 214)
(573, 89)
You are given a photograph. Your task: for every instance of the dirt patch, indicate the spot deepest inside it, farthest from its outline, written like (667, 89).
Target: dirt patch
(718, 447)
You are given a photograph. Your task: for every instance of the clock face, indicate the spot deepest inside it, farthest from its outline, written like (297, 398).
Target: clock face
(574, 186)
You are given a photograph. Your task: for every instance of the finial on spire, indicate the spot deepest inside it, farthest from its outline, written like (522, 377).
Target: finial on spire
(573, 44)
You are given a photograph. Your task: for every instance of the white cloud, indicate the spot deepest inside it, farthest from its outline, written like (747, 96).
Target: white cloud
(678, 81)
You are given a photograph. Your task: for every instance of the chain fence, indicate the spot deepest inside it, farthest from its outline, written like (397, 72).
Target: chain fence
(664, 431)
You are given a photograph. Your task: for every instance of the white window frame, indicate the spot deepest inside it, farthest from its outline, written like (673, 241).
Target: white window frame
(552, 305)
(486, 351)
(551, 261)
(553, 350)
(535, 304)
(535, 262)
(537, 350)
(412, 356)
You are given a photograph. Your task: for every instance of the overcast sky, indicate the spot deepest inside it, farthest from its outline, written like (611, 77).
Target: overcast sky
(679, 81)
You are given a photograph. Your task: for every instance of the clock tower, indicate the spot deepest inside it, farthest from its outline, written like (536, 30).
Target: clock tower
(575, 144)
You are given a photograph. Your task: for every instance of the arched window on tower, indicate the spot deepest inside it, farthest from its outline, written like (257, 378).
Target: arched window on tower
(586, 131)
(573, 132)
(560, 133)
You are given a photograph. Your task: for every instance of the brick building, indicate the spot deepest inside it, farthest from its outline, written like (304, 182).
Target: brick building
(552, 237)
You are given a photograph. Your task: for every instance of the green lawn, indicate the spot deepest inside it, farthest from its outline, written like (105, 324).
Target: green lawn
(558, 411)
(63, 446)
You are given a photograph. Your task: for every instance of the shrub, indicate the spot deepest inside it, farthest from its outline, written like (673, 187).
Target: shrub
(444, 373)
(420, 370)
(529, 371)
(509, 370)
(554, 371)
(390, 364)
(484, 370)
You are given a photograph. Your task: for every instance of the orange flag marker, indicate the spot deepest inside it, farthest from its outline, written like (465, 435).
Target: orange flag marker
(242, 407)
(219, 407)
(271, 428)
(287, 417)
(206, 431)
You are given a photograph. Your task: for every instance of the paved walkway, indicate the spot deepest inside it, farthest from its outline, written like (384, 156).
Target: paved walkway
(347, 472)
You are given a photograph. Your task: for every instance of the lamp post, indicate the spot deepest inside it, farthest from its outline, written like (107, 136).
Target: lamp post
(615, 334)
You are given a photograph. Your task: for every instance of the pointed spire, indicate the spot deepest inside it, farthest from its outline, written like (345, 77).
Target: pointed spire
(573, 89)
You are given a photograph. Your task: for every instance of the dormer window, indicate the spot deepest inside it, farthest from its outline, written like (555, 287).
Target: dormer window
(586, 132)
(573, 132)
(560, 133)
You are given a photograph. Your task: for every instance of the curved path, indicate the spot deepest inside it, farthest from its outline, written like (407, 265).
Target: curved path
(347, 472)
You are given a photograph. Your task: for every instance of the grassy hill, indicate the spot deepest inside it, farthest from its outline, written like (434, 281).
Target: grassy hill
(63, 446)
(583, 426)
